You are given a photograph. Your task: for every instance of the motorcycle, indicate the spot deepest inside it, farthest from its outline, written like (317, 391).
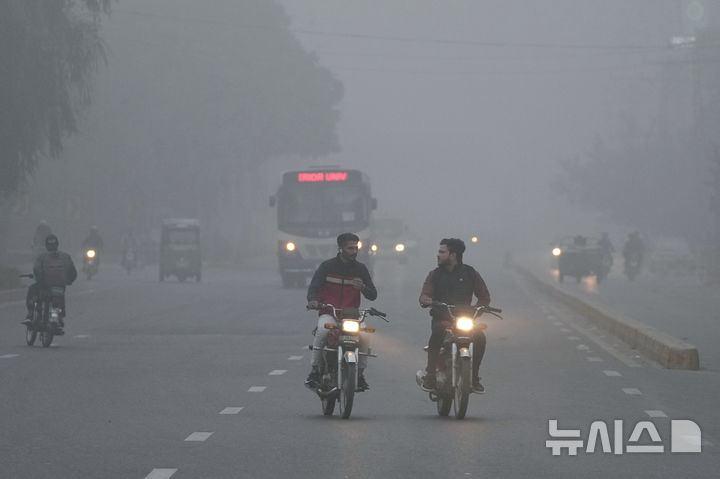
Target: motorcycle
(454, 369)
(47, 308)
(339, 365)
(91, 263)
(633, 263)
(129, 260)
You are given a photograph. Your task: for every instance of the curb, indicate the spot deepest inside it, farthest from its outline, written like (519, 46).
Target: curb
(667, 350)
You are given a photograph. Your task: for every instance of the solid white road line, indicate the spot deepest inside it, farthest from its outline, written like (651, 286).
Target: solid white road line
(231, 410)
(295, 358)
(632, 391)
(9, 356)
(161, 474)
(612, 373)
(257, 389)
(198, 436)
(655, 413)
(277, 372)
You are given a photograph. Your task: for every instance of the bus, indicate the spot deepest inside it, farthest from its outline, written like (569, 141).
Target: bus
(313, 207)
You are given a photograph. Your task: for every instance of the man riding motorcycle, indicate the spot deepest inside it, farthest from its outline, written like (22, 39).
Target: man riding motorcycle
(41, 232)
(339, 281)
(53, 268)
(93, 240)
(452, 282)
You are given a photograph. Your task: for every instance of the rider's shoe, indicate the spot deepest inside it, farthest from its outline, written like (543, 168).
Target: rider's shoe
(477, 387)
(362, 384)
(313, 379)
(428, 383)
(26, 322)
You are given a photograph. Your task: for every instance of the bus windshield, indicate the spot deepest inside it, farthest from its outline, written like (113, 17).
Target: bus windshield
(325, 205)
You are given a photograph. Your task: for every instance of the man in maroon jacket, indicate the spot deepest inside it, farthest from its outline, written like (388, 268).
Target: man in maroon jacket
(339, 281)
(452, 282)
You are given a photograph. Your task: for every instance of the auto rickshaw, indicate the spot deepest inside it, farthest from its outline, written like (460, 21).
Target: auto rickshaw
(180, 249)
(582, 257)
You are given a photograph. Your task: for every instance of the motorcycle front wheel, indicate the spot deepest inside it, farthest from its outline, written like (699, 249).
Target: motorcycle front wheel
(328, 405)
(46, 336)
(347, 390)
(30, 336)
(462, 389)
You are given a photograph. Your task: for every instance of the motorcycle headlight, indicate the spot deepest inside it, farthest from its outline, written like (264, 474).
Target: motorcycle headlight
(556, 251)
(359, 244)
(399, 247)
(90, 253)
(374, 248)
(290, 246)
(464, 324)
(351, 326)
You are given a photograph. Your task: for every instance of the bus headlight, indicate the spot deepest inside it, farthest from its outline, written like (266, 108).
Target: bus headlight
(351, 326)
(290, 246)
(464, 324)
(556, 251)
(90, 253)
(399, 247)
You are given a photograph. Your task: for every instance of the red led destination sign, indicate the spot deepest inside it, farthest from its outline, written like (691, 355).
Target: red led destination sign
(317, 177)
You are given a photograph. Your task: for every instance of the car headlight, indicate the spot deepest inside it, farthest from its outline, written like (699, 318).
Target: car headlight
(351, 326)
(290, 246)
(90, 253)
(556, 251)
(399, 247)
(464, 324)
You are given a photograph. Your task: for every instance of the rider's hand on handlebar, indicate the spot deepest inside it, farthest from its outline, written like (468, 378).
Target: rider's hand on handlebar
(357, 283)
(426, 301)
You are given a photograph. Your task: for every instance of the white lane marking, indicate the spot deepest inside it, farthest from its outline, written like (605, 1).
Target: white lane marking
(632, 391)
(257, 389)
(81, 336)
(198, 436)
(582, 347)
(277, 372)
(9, 356)
(594, 359)
(564, 330)
(557, 323)
(612, 373)
(573, 338)
(295, 358)
(551, 317)
(161, 474)
(655, 413)
(231, 410)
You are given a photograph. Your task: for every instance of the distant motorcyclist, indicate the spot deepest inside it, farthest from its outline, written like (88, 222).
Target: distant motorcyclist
(93, 240)
(605, 244)
(339, 281)
(633, 252)
(452, 282)
(41, 232)
(53, 268)
(128, 243)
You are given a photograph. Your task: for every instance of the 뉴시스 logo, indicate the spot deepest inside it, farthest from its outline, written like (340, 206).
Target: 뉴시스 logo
(685, 436)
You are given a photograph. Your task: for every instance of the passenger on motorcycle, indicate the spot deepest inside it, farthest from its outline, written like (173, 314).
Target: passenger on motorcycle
(339, 281)
(452, 282)
(51, 269)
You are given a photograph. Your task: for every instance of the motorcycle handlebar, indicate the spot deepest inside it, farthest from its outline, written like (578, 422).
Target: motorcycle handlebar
(370, 311)
(489, 309)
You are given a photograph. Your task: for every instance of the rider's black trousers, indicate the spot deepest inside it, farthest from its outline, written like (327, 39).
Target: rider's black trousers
(436, 339)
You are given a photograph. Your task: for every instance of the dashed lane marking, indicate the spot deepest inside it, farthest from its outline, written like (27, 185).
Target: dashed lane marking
(198, 436)
(573, 338)
(161, 474)
(257, 389)
(277, 372)
(295, 358)
(9, 356)
(231, 410)
(582, 347)
(557, 323)
(655, 413)
(612, 373)
(564, 330)
(632, 391)
(81, 336)
(594, 359)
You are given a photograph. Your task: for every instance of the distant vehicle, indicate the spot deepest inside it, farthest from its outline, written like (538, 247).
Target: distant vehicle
(180, 249)
(391, 239)
(91, 262)
(580, 257)
(314, 206)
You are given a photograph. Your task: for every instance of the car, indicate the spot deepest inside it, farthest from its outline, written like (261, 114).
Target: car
(392, 239)
(579, 257)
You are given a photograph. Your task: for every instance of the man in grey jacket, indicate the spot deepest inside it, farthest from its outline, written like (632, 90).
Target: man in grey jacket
(52, 269)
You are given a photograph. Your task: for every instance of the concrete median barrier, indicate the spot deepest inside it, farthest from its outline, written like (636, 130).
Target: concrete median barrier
(667, 350)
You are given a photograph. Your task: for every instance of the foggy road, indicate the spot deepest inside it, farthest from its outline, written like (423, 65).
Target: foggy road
(205, 380)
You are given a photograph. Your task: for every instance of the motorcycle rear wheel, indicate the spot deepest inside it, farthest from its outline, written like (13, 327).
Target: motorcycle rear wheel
(30, 336)
(347, 391)
(443, 406)
(46, 336)
(462, 390)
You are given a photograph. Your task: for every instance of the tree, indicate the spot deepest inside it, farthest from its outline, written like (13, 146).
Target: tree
(49, 51)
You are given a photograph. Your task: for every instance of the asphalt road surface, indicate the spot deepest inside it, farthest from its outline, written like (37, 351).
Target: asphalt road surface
(204, 380)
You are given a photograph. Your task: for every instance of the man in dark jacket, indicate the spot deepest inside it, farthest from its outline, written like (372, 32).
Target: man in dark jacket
(53, 269)
(339, 281)
(452, 282)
